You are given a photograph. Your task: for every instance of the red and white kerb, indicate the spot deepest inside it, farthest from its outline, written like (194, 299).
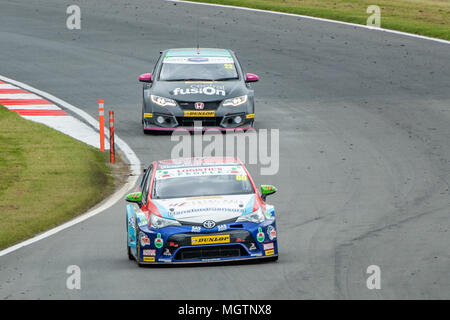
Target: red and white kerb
(26, 103)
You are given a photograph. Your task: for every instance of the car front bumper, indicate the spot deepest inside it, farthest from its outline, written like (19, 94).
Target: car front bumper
(166, 122)
(179, 245)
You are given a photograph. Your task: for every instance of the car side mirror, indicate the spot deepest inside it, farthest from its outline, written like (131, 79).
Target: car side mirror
(145, 77)
(267, 190)
(134, 197)
(250, 77)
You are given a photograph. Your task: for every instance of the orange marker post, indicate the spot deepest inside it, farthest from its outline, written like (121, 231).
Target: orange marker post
(112, 151)
(101, 120)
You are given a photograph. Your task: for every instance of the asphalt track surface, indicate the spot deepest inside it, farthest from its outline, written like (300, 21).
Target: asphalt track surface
(364, 119)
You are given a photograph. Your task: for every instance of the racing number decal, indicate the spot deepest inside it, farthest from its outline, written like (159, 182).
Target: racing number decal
(228, 66)
(241, 177)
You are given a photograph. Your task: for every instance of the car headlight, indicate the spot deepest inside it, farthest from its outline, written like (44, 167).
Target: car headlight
(163, 102)
(255, 217)
(233, 102)
(157, 222)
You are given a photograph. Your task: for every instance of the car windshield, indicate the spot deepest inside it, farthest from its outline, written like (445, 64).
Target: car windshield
(198, 68)
(193, 183)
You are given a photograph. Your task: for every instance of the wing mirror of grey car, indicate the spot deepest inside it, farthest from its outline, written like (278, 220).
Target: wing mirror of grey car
(145, 77)
(250, 77)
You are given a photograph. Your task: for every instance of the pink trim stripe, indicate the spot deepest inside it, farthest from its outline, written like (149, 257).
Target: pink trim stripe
(27, 112)
(7, 102)
(196, 129)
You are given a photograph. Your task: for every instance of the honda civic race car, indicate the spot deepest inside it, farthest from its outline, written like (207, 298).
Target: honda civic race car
(189, 88)
(199, 210)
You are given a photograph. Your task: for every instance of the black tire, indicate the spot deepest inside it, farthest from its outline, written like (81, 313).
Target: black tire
(136, 227)
(129, 254)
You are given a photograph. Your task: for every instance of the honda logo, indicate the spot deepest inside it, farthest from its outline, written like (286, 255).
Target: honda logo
(209, 224)
(199, 106)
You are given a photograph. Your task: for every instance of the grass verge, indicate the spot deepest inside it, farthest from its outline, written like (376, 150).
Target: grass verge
(46, 178)
(423, 17)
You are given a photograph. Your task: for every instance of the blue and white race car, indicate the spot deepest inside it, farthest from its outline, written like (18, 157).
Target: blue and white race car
(199, 210)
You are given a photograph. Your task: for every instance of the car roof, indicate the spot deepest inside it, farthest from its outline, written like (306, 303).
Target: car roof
(197, 162)
(200, 52)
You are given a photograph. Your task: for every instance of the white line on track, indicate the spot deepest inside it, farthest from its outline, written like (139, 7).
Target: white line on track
(313, 18)
(132, 158)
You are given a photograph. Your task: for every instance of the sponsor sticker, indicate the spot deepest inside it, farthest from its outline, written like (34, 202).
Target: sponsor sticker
(148, 115)
(149, 252)
(269, 252)
(200, 171)
(203, 88)
(158, 241)
(197, 60)
(222, 227)
(271, 232)
(268, 246)
(225, 238)
(141, 220)
(206, 113)
(131, 222)
(250, 116)
(145, 241)
(260, 236)
(241, 177)
(149, 259)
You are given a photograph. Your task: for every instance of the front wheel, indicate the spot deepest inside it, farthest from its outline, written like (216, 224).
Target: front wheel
(129, 254)
(138, 241)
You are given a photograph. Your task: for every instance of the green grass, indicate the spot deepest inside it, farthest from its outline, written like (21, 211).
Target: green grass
(46, 178)
(424, 17)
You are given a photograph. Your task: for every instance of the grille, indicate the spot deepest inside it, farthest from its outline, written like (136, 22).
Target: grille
(211, 252)
(236, 225)
(184, 239)
(206, 122)
(188, 105)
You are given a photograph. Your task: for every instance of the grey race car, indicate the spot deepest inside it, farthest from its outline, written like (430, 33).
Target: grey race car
(189, 87)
